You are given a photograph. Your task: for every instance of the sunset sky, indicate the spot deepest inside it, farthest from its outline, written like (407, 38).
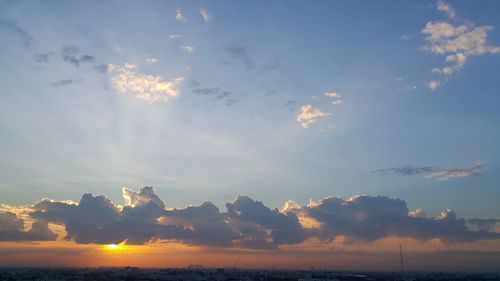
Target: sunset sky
(290, 133)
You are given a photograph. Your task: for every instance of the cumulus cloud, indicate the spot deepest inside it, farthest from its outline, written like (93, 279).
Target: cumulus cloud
(179, 16)
(152, 88)
(430, 172)
(455, 42)
(188, 49)
(206, 15)
(247, 223)
(446, 174)
(336, 98)
(309, 114)
(446, 8)
(12, 229)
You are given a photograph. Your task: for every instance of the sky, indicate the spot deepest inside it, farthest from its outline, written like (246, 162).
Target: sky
(291, 133)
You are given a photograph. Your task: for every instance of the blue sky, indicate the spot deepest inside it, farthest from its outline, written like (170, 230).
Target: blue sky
(72, 121)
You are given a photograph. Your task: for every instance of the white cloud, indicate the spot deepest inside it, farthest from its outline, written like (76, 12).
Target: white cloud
(309, 114)
(434, 84)
(206, 15)
(151, 60)
(336, 98)
(446, 8)
(457, 42)
(145, 87)
(179, 16)
(174, 36)
(188, 49)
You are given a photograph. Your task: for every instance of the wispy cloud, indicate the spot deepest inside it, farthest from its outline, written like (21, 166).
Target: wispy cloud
(151, 88)
(429, 172)
(71, 54)
(446, 174)
(456, 42)
(206, 15)
(14, 28)
(64, 82)
(151, 60)
(336, 98)
(241, 54)
(174, 36)
(446, 8)
(188, 49)
(179, 16)
(309, 115)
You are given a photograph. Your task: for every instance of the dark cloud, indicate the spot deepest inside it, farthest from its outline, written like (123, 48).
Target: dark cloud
(42, 58)
(240, 54)
(14, 28)
(402, 171)
(12, 229)
(430, 172)
(71, 54)
(247, 223)
(368, 218)
(64, 82)
(270, 93)
(216, 93)
(291, 105)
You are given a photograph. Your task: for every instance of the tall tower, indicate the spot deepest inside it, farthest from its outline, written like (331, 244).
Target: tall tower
(401, 259)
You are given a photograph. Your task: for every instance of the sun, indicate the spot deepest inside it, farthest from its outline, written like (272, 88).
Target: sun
(115, 247)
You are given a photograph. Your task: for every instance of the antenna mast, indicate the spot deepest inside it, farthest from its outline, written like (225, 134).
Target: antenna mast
(401, 259)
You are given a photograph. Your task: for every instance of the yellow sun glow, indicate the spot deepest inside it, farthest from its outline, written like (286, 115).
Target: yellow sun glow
(115, 247)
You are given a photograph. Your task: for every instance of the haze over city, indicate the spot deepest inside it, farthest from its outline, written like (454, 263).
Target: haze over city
(278, 134)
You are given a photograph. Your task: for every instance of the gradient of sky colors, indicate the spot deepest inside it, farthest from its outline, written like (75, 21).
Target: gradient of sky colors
(282, 131)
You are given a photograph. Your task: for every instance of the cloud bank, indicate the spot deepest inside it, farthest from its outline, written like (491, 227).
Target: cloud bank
(246, 223)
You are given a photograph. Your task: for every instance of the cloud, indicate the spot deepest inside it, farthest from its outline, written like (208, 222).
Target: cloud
(12, 229)
(14, 28)
(446, 8)
(188, 49)
(71, 54)
(434, 84)
(64, 82)
(336, 98)
(309, 114)
(206, 15)
(247, 223)
(151, 60)
(456, 42)
(446, 174)
(402, 171)
(145, 87)
(42, 58)
(430, 172)
(179, 16)
(174, 36)
(369, 218)
(241, 54)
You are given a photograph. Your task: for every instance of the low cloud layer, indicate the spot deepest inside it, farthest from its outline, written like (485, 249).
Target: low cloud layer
(246, 223)
(430, 172)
